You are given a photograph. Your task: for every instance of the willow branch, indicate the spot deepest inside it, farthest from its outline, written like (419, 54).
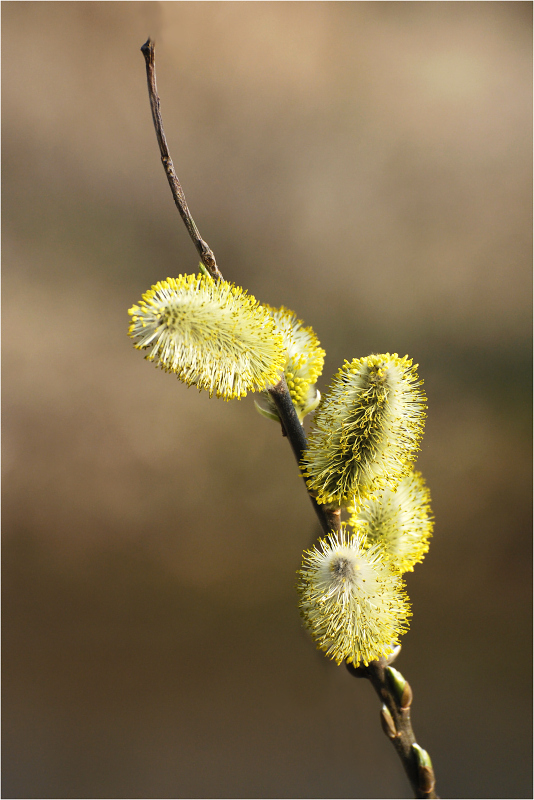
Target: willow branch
(205, 253)
(396, 722)
(396, 716)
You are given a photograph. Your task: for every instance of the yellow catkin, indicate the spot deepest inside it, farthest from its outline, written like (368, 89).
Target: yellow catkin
(352, 602)
(304, 362)
(211, 335)
(399, 520)
(366, 431)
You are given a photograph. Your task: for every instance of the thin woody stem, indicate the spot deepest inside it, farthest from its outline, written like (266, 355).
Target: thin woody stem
(396, 716)
(205, 253)
(396, 722)
(329, 518)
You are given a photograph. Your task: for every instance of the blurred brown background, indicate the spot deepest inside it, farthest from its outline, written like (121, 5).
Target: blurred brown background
(368, 165)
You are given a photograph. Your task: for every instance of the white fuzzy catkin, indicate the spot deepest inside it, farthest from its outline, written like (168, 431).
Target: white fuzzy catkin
(352, 602)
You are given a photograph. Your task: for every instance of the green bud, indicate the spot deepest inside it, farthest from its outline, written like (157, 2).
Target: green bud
(397, 682)
(423, 759)
(267, 414)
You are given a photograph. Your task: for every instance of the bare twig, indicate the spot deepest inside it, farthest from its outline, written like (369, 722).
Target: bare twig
(396, 723)
(205, 253)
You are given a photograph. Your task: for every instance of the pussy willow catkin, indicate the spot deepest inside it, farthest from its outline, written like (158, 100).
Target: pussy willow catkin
(304, 362)
(400, 520)
(366, 431)
(352, 602)
(211, 335)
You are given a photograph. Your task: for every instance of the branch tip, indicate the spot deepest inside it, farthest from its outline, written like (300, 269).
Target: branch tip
(148, 48)
(203, 250)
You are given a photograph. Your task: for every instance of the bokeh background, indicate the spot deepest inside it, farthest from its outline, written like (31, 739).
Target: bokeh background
(367, 164)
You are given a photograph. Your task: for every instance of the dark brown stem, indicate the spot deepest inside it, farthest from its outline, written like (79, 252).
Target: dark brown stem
(329, 518)
(205, 253)
(396, 722)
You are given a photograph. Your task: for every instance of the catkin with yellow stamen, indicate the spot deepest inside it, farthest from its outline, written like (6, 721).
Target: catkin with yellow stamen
(304, 363)
(352, 602)
(400, 521)
(366, 431)
(211, 335)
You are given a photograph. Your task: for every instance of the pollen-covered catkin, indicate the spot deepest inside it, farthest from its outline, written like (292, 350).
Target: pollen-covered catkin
(211, 335)
(304, 362)
(366, 431)
(399, 520)
(352, 602)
